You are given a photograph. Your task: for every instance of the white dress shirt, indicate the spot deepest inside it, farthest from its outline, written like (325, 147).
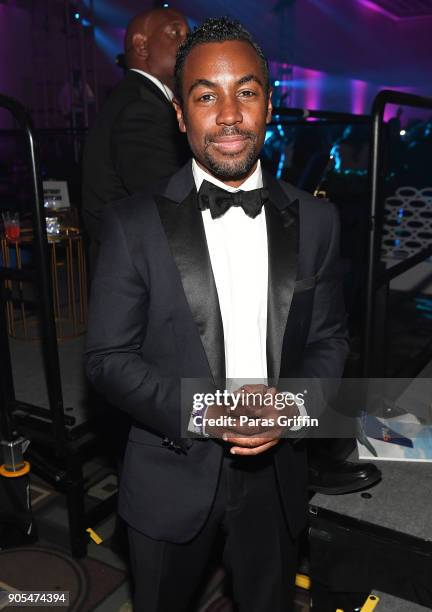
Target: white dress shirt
(238, 251)
(167, 92)
(239, 257)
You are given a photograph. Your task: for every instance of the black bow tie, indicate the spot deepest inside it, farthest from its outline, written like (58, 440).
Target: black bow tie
(219, 201)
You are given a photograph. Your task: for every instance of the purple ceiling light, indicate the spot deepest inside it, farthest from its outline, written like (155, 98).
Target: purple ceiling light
(374, 7)
(400, 9)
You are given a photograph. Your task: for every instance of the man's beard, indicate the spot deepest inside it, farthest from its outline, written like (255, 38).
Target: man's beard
(232, 169)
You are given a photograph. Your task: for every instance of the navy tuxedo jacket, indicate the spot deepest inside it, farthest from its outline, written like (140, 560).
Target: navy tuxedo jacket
(155, 319)
(135, 142)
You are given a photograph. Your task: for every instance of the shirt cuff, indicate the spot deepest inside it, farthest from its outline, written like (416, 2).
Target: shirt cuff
(199, 430)
(302, 412)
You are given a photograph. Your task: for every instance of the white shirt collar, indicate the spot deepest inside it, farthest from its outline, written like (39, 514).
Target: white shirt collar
(168, 93)
(254, 181)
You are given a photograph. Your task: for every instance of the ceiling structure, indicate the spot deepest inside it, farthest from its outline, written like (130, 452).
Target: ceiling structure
(342, 51)
(386, 42)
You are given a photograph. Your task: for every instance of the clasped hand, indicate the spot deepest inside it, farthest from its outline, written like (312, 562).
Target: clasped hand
(253, 425)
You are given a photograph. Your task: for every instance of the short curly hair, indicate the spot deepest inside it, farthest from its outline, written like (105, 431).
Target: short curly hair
(215, 29)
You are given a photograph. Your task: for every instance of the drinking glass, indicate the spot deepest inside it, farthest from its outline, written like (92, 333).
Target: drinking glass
(11, 224)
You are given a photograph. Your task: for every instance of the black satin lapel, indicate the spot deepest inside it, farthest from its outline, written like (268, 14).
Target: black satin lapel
(282, 236)
(179, 185)
(184, 229)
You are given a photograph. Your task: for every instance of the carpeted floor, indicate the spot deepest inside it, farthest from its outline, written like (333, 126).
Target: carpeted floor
(88, 582)
(100, 582)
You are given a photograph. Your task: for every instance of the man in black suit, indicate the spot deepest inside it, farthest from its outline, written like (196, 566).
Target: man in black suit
(221, 272)
(136, 140)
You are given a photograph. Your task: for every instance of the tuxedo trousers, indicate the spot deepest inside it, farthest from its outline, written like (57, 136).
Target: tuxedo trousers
(258, 551)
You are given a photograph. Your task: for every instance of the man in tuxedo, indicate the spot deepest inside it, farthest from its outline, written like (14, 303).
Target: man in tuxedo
(221, 272)
(135, 140)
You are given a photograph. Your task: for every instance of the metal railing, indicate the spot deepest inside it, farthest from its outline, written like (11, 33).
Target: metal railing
(378, 281)
(50, 430)
(41, 277)
(304, 114)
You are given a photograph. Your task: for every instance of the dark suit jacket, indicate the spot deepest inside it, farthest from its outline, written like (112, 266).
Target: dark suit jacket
(134, 142)
(155, 319)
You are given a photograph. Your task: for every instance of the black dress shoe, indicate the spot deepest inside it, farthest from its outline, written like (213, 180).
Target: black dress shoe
(335, 476)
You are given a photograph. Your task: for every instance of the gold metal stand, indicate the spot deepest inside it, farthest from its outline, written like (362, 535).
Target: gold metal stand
(69, 285)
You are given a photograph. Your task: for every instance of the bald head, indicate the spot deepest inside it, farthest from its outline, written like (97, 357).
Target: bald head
(151, 42)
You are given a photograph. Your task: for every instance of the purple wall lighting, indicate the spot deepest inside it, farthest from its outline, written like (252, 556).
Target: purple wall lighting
(314, 81)
(319, 90)
(359, 91)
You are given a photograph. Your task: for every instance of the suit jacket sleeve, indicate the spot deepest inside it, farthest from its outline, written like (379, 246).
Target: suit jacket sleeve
(146, 145)
(326, 349)
(117, 325)
(327, 343)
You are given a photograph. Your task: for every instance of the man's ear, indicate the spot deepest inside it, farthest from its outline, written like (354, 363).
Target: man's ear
(180, 117)
(140, 46)
(269, 105)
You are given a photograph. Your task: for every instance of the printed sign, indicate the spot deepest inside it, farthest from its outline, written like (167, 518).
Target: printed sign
(56, 194)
